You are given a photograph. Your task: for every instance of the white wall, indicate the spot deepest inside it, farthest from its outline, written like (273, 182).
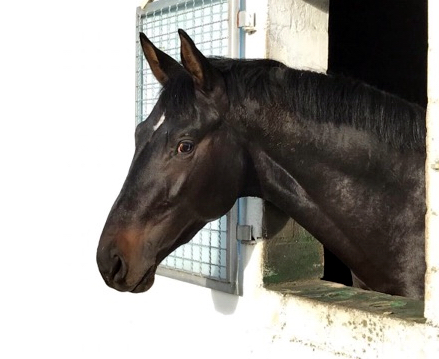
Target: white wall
(67, 90)
(298, 33)
(432, 168)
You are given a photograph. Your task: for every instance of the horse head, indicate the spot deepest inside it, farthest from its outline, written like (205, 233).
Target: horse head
(188, 169)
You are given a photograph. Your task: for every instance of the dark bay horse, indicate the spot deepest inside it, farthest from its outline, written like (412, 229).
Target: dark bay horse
(345, 160)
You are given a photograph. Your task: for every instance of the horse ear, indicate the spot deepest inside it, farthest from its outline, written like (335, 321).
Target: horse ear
(205, 76)
(162, 65)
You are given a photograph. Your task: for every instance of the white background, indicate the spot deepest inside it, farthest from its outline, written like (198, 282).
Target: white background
(67, 86)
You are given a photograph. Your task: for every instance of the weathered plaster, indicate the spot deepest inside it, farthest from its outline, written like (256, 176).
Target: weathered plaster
(432, 170)
(298, 33)
(357, 324)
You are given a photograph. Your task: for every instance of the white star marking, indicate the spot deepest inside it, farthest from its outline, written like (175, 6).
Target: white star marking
(159, 123)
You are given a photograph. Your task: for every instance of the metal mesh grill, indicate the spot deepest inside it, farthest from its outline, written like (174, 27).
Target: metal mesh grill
(205, 254)
(207, 23)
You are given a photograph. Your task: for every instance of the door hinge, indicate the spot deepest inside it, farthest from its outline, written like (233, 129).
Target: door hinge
(244, 233)
(247, 21)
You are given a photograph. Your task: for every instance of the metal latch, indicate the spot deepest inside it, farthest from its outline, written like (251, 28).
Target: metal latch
(247, 21)
(244, 233)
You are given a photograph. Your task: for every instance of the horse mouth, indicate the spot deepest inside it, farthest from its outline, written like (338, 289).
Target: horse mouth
(146, 282)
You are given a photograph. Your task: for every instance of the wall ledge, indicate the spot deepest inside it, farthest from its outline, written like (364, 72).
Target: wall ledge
(354, 298)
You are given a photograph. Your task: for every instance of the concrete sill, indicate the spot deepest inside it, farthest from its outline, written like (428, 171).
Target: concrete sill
(339, 295)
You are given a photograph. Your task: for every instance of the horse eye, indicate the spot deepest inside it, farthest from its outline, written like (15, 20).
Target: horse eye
(185, 146)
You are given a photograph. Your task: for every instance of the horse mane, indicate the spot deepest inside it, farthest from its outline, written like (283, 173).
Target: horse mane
(327, 98)
(311, 96)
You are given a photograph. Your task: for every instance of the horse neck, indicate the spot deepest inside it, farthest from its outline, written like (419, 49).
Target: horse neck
(336, 181)
(298, 145)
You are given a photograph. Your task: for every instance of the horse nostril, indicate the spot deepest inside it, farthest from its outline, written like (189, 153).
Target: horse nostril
(118, 269)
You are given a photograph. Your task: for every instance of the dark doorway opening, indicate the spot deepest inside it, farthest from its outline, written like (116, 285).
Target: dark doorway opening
(383, 43)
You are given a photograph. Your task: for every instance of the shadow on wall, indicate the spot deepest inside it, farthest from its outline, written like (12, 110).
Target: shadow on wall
(226, 303)
(322, 5)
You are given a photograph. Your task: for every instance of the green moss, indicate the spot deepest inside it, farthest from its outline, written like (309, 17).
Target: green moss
(290, 253)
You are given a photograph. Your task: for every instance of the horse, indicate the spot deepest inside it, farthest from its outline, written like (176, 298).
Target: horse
(343, 159)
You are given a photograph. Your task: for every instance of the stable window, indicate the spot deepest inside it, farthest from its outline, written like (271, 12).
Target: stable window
(391, 55)
(381, 43)
(210, 258)
(384, 43)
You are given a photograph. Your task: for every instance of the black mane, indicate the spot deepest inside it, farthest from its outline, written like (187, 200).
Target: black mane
(326, 98)
(312, 96)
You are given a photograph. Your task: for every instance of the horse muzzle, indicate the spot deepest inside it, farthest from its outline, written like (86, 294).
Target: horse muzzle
(117, 274)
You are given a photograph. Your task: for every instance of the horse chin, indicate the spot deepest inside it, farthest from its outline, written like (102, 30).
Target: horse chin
(145, 283)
